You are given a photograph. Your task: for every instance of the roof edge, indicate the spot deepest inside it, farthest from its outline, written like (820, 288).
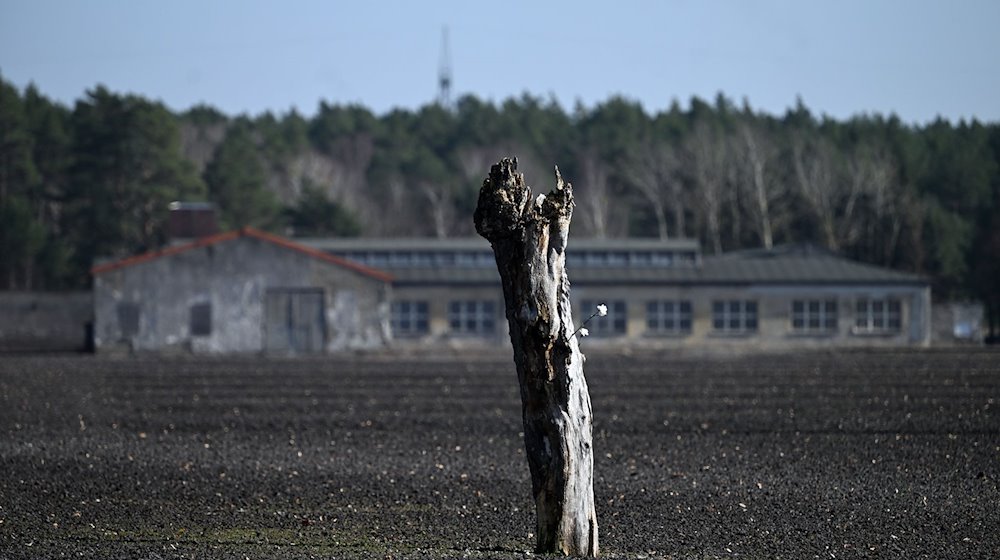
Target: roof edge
(236, 234)
(316, 253)
(165, 252)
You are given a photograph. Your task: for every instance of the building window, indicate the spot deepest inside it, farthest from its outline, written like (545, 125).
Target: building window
(734, 316)
(641, 258)
(688, 257)
(444, 258)
(814, 316)
(612, 324)
(409, 318)
(378, 259)
(465, 258)
(596, 258)
(617, 258)
(472, 316)
(400, 258)
(663, 258)
(128, 318)
(423, 258)
(668, 317)
(878, 315)
(201, 319)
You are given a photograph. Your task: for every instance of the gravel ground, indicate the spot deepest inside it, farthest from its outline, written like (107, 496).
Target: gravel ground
(819, 455)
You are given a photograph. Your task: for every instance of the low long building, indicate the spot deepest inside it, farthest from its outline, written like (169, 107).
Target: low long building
(658, 293)
(249, 291)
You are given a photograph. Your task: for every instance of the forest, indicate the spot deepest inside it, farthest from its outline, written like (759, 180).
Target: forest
(94, 180)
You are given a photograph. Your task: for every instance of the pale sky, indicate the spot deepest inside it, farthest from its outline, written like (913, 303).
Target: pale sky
(916, 58)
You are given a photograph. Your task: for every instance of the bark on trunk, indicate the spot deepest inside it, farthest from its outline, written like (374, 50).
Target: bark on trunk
(529, 238)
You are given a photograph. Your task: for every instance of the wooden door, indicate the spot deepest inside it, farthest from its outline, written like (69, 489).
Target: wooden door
(294, 321)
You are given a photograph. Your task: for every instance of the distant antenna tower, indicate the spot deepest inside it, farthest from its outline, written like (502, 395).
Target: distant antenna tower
(444, 73)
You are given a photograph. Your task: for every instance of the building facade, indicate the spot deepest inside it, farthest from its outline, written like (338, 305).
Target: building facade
(248, 291)
(239, 292)
(658, 293)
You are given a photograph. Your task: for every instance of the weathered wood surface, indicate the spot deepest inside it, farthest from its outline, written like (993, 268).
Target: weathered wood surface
(529, 237)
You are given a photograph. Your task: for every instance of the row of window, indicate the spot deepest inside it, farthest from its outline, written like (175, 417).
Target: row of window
(629, 258)
(199, 318)
(422, 259)
(410, 318)
(870, 315)
(666, 317)
(485, 258)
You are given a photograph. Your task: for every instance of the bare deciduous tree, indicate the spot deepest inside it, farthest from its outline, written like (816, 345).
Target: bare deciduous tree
(595, 194)
(352, 156)
(758, 157)
(653, 171)
(874, 171)
(395, 201)
(340, 173)
(830, 198)
(707, 160)
(440, 202)
(914, 212)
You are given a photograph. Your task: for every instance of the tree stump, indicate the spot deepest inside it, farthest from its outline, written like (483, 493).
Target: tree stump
(529, 237)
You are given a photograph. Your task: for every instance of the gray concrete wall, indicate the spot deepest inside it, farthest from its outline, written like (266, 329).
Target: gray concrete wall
(234, 277)
(958, 322)
(44, 321)
(357, 307)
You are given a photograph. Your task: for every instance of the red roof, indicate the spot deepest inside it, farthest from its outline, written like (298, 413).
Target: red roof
(245, 232)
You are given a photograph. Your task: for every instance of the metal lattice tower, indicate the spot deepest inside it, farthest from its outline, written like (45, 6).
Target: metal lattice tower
(444, 72)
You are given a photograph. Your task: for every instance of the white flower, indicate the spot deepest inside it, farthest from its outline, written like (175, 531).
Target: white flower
(602, 310)
(584, 331)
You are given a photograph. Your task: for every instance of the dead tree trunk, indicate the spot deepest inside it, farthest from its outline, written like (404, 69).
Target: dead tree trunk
(529, 238)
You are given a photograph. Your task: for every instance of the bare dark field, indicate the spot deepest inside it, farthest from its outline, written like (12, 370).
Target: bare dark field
(819, 455)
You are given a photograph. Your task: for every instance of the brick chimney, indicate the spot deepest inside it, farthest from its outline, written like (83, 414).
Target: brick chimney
(191, 220)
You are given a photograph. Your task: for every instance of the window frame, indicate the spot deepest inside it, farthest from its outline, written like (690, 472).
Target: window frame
(669, 317)
(472, 317)
(200, 319)
(615, 323)
(878, 315)
(737, 317)
(409, 318)
(814, 316)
